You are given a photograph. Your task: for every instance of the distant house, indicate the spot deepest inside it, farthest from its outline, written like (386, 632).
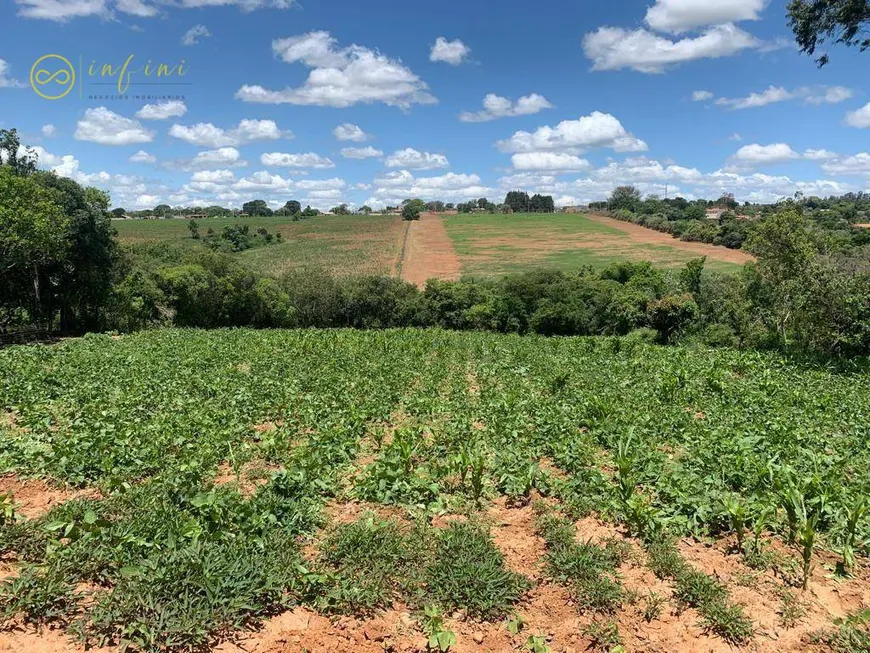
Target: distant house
(574, 209)
(715, 213)
(196, 216)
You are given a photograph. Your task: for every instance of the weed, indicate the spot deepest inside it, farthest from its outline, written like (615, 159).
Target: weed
(587, 569)
(792, 609)
(367, 562)
(698, 590)
(441, 638)
(537, 644)
(604, 635)
(653, 607)
(38, 597)
(851, 636)
(468, 572)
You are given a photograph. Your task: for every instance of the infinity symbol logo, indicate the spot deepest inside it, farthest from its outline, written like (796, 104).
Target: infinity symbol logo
(58, 71)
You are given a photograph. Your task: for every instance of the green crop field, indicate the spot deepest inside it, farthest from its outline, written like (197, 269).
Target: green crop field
(508, 491)
(490, 245)
(354, 244)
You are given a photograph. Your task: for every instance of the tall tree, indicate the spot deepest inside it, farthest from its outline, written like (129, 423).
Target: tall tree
(21, 161)
(32, 238)
(86, 276)
(293, 207)
(624, 198)
(816, 22)
(518, 201)
(256, 207)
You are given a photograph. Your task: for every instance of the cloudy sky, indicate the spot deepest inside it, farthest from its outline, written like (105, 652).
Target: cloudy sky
(330, 101)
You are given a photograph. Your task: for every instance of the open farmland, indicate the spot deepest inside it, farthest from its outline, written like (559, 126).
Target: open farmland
(398, 490)
(479, 245)
(354, 244)
(499, 244)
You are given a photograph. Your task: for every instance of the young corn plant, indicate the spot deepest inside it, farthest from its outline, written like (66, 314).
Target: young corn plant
(738, 515)
(853, 518)
(625, 467)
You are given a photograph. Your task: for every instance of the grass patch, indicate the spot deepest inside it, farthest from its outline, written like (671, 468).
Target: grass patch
(588, 570)
(696, 589)
(368, 562)
(467, 572)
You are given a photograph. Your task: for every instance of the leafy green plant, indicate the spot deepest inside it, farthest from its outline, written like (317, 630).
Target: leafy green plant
(738, 516)
(653, 607)
(467, 572)
(855, 514)
(7, 509)
(792, 609)
(440, 637)
(515, 624)
(605, 636)
(537, 644)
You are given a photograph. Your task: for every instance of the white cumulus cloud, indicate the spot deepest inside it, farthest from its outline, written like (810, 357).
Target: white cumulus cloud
(350, 132)
(49, 130)
(702, 96)
(678, 16)
(774, 94)
(495, 106)
(415, 160)
(106, 127)
(859, 118)
(452, 52)
(341, 77)
(552, 161)
(143, 157)
(162, 111)
(592, 131)
(614, 48)
(361, 152)
(755, 154)
(205, 134)
(64, 10)
(195, 34)
(5, 80)
(285, 160)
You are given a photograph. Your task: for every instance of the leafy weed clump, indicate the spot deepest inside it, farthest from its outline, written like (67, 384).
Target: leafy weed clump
(590, 571)
(189, 598)
(38, 597)
(366, 563)
(467, 572)
(696, 589)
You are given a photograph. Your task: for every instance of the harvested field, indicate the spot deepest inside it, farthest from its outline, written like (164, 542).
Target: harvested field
(491, 245)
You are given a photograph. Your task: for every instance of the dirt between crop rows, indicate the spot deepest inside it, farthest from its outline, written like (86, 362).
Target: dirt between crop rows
(548, 609)
(429, 252)
(34, 497)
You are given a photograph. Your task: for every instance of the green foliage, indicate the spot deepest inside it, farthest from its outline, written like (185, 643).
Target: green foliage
(816, 22)
(367, 562)
(468, 573)
(625, 198)
(696, 589)
(590, 571)
(604, 635)
(441, 638)
(412, 209)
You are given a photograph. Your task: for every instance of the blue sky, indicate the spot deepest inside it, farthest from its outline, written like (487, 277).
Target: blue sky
(330, 101)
